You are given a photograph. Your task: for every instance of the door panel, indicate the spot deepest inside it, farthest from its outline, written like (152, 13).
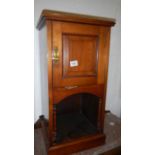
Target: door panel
(79, 55)
(78, 47)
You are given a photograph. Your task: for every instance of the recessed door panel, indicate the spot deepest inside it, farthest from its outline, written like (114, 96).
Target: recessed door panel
(75, 52)
(79, 55)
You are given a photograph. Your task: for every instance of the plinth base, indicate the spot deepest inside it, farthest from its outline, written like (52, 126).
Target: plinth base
(77, 145)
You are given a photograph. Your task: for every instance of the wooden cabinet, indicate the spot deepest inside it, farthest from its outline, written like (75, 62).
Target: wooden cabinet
(77, 49)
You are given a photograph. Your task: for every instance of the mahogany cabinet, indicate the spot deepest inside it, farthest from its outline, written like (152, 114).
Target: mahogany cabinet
(74, 51)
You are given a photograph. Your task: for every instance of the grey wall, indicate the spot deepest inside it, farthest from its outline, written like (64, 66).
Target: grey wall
(105, 8)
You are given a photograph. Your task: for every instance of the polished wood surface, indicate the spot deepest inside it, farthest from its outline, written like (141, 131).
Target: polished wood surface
(50, 81)
(74, 18)
(78, 53)
(61, 93)
(83, 49)
(75, 42)
(78, 145)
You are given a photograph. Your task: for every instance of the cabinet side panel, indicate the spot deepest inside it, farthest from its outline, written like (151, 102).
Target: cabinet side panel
(44, 70)
(103, 66)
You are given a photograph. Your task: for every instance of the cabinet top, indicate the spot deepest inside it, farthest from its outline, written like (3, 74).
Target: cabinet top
(72, 17)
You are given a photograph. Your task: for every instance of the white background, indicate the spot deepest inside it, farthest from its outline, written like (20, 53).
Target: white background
(17, 77)
(105, 8)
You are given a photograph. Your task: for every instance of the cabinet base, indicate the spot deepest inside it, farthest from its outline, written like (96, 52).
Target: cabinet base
(77, 145)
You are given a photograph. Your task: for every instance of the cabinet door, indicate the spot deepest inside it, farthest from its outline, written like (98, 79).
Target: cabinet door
(75, 54)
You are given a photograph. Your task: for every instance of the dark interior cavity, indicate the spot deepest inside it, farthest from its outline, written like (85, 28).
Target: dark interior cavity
(76, 116)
